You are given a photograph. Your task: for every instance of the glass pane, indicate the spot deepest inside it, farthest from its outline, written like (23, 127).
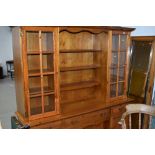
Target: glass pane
(122, 58)
(47, 42)
(121, 73)
(48, 65)
(49, 103)
(33, 63)
(120, 88)
(114, 59)
(32, 40)
(141, 55)
(115, 42)
(35, 105)
(113, 90)
(48, 83)
(113, 74)
(123, 42)
(34, 85)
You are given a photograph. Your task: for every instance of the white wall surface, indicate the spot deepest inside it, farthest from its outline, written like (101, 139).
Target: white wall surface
(5, 46)
(144, 31)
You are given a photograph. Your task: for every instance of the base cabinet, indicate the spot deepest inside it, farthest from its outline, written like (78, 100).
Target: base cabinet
(102, 119)
(70, 77)
(93, 120)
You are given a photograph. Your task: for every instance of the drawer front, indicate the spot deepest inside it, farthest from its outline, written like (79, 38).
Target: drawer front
(118, 110)
(116, 114)
(51, 125)
(94, 126)
(90, 120)
(71, 123)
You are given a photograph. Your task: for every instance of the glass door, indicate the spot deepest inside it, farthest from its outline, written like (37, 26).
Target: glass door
(48, 71)
(41, 52)
(118, 65)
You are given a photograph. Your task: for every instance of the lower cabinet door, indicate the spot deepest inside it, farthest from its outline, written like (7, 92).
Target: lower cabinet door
(116, 114)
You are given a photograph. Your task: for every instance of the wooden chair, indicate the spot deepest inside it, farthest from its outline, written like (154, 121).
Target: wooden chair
(10, 68)
(139, 109)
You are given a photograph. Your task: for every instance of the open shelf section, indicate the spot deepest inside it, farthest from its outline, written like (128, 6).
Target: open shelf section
(64, 69)
(78, 85)
(34, 92)
(38, 52)
(79, 51)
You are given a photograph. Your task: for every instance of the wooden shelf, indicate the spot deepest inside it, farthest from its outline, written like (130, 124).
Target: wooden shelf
(78, 100)
(121, 81)
(64, 69)
(47, 52)
(79, 51)
(36, 72)
(36, 92)
(116, 51)
(116, 66)
(47, 72)
(113, 83)
(113, 79)
(37, 52)
(78, 85)
(38, 110)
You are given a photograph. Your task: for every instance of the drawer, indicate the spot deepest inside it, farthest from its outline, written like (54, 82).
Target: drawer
(51, 125)
(84, 121)
(118, 110)
(87, 120)
(72, 123)
(96, 116)
(94, 126)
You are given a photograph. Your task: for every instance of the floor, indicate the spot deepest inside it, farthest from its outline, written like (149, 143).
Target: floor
(7, 102)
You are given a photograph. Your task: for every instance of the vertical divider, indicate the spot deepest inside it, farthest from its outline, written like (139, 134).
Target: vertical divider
(126, 69)
(119, 43)
(41, 70)
(25, 62)
(109, 57)
(56, 69)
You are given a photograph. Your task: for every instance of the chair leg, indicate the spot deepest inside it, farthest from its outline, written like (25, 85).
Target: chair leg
(11, 76)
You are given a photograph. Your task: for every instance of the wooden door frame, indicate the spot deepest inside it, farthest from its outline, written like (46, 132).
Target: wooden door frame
(55, 31)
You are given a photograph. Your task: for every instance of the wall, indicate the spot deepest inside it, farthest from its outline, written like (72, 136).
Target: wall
(5, 46)
(144, 31)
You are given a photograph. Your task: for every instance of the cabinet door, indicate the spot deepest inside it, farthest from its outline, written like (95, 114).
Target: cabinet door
(41, 71)
(118, 66)
(116, 114)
